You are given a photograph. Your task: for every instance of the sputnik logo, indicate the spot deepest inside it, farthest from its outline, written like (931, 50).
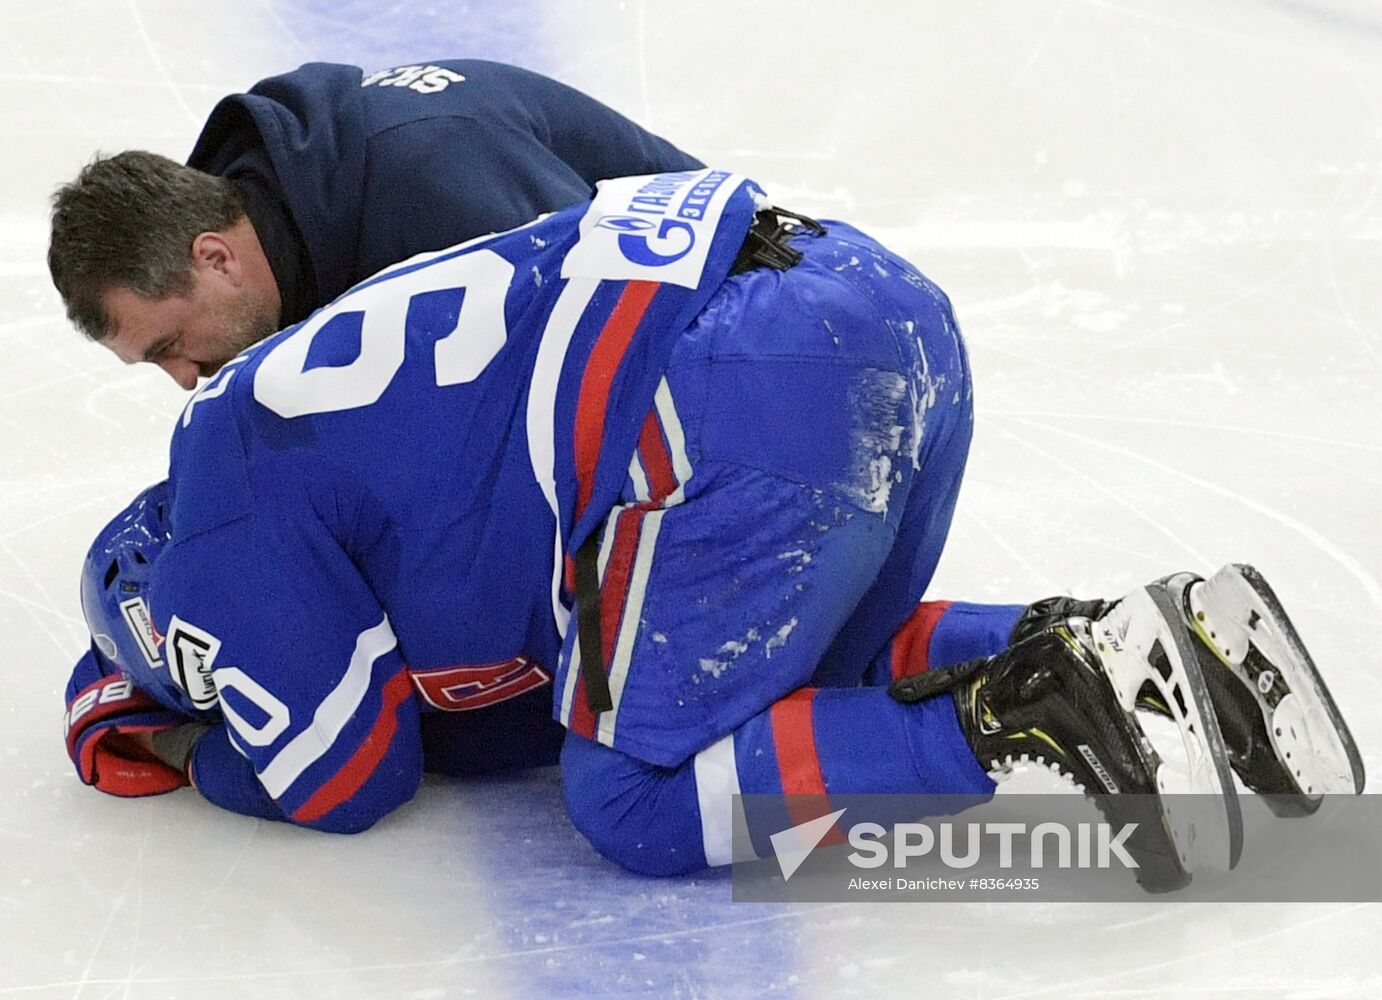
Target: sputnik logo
(793, 845)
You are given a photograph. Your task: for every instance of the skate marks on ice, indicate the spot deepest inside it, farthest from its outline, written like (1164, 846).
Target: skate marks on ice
(1160, 230)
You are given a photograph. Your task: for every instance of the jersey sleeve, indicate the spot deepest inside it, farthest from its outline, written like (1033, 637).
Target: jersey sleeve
(267, 619)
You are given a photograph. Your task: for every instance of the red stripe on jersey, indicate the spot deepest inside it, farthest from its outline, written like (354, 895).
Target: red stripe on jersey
(614, 585)
(912, 642)
(798, 761)
(582, 720)
(657, 463)
(600, 369)
(614, 593)
(356, 771)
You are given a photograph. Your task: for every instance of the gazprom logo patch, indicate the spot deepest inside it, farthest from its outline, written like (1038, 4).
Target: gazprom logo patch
(657, 227)
(673, 240)
(625, 223)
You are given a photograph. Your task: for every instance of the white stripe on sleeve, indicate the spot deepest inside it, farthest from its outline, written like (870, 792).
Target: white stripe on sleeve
(542, 414)
(335, 710)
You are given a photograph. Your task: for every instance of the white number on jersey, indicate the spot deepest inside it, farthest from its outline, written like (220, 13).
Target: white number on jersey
(460, 356)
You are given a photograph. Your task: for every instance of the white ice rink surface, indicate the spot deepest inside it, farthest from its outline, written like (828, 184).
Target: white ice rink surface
(1161, 228)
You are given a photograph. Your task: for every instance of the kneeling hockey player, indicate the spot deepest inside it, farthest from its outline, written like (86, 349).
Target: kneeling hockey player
(678, 465)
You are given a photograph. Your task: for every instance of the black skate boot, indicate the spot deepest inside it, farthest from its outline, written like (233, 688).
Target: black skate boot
(1284, 735)
(1062, 698)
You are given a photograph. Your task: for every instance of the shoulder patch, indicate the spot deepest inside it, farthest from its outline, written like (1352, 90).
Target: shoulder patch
(191, 655)
(653, 228)
(141, 625)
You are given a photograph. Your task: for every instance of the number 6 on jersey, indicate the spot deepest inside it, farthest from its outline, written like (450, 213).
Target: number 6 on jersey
(283, 386)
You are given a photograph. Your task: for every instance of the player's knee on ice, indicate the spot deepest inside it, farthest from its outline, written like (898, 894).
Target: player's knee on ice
(640, 816)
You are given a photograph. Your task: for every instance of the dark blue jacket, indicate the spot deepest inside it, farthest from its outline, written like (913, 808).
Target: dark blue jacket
(344, 174)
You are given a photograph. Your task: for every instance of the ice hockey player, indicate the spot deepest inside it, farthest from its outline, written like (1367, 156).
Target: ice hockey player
(691, 458)
(313, 181)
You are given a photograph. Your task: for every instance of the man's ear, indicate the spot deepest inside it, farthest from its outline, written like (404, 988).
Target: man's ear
(212, 252)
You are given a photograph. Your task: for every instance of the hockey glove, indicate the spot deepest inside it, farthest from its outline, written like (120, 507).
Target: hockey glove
(103, 709)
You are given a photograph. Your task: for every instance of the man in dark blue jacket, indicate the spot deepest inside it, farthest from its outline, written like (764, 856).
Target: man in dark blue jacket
(313, 181)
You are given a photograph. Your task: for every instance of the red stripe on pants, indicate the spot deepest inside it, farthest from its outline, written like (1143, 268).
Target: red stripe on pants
(912, 642)
(798, 762)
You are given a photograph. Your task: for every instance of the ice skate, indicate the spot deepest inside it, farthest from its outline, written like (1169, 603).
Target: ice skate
(1063, 699)
(1285, 737)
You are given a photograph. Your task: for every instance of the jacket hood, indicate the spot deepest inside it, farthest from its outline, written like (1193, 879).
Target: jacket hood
(308, 124)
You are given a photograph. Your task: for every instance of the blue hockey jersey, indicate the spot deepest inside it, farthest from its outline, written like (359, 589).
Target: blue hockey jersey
(372, 510)
(344, 173)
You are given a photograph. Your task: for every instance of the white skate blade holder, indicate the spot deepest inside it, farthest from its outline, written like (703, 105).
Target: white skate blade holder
(1202, 811)
(1239, 612)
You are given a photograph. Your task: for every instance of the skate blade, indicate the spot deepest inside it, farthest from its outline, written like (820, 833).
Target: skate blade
(1144, 639)
(1306, 728)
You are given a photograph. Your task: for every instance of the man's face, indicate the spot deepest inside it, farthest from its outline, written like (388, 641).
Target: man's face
(189, 336)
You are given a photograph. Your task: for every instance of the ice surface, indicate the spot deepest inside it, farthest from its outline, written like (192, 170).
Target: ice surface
(1161, 229)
